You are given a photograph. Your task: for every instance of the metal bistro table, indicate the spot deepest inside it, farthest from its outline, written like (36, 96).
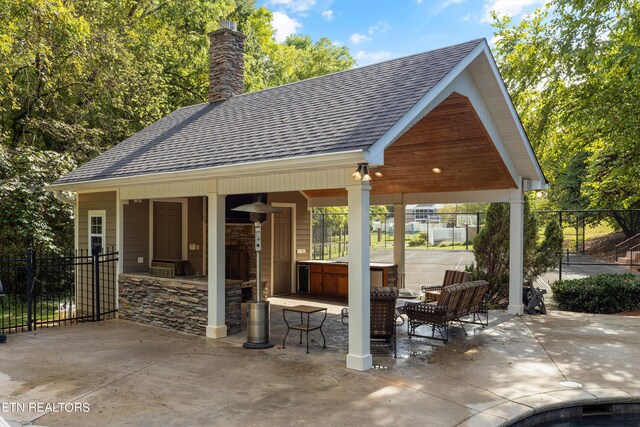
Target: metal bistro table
(304, 326)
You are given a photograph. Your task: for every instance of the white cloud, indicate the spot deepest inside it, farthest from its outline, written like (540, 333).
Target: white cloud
(357, 38)
(381, 27)
(512, 8)
(365, 58)
(328, 15)
(298, 6)
(467, 17)
(284, 26)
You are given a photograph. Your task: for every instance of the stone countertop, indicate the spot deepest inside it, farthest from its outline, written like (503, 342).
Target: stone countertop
(178, 281)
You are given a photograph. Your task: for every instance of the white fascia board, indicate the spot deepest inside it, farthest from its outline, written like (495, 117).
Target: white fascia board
(464, 85)
(421, 108)
(292, 164)
(534, 185)
(512, 111)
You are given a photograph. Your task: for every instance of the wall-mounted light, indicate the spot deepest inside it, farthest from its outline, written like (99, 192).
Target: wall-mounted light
(363, 173)
(365, 170)
(357, 175)
(436, 170)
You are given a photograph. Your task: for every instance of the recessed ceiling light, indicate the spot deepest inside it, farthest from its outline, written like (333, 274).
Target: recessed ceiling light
(378, 174)
(436, 170)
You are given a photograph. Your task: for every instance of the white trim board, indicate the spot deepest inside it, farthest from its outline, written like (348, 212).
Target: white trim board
(101, 213)
(292, 164)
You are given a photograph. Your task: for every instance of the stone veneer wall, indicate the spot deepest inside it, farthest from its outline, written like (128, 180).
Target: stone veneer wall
(226, 64)
(174, 304)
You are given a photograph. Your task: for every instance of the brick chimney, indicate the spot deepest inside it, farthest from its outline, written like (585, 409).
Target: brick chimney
(226, 62)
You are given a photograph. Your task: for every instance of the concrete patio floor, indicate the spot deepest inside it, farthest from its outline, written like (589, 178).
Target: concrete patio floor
(131, 374)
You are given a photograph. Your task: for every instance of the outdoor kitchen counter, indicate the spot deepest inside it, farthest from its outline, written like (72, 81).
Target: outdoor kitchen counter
(331, 278)
(176, 303)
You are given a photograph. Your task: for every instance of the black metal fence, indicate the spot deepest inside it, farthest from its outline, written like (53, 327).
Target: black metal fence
(49, 289)
(597, 241)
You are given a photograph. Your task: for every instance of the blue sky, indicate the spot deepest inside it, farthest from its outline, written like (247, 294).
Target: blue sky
(377, 30)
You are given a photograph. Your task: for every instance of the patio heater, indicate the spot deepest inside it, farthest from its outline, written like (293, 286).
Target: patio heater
(3, 337)
(258, 314)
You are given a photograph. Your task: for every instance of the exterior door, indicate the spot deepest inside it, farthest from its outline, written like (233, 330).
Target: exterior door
(282, 252)
(167, 230)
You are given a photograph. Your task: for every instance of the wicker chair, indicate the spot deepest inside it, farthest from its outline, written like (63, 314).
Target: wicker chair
(383, 317)
(451, 277)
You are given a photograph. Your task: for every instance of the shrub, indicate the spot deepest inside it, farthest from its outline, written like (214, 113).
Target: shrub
(491, 250)
(606, 294)
(419, 240)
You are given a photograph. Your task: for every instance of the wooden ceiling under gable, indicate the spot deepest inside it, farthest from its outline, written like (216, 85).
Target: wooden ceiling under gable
(452, 138)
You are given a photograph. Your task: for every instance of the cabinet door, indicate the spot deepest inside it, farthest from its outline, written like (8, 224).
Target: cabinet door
(330, 284)
(343, 286)
(316, 282)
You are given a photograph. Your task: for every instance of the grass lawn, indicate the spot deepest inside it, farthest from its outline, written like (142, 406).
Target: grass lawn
(16, 314)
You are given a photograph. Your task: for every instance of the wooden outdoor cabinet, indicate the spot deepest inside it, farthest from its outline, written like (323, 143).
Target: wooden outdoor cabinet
(332, 278)
(316, 280)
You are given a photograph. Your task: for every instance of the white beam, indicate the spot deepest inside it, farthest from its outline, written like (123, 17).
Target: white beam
(420, 198)
(216, 327)
(516, 252)
(398, 240)
(359, 356)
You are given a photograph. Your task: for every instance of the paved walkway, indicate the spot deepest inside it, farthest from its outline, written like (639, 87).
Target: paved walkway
(131, 374)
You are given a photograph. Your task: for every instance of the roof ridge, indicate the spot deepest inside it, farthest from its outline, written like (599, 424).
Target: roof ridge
(478, 40)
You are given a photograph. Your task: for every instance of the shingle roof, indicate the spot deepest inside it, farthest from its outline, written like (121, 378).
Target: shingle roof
(339, 112)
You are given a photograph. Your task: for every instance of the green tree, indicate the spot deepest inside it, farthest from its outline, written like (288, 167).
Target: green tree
(491, 249)
(77, 77)
(572, 71)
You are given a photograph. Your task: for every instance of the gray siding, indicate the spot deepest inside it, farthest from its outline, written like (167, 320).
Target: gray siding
(104, 201)
(95, 202)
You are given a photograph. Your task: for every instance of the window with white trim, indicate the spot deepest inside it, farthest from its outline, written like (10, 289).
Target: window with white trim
(97, 226)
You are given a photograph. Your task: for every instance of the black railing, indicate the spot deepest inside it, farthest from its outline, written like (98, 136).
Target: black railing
(49, 289)
(624, 245)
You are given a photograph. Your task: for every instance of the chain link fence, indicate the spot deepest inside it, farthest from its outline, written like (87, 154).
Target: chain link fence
(594, 242)
(434, 242)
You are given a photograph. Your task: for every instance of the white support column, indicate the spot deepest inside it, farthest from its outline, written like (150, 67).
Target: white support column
(398, 240)
(359, 357)
(216, 327)
(516, 252)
